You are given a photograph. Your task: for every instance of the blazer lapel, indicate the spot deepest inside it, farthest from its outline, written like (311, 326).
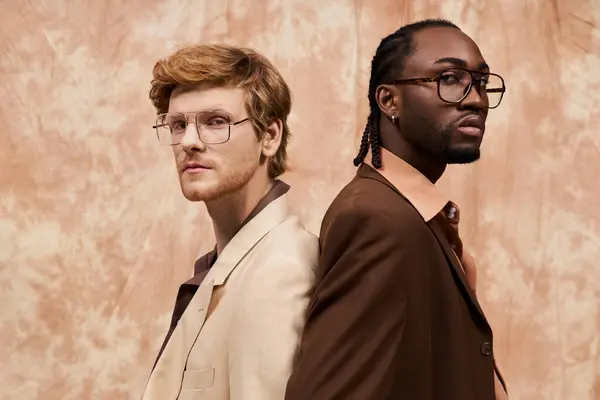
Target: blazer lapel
(165, 380)
(367, 172)
(456, 266)
(250, 234)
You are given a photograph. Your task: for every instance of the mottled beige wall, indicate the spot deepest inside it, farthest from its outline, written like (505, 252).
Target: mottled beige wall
(95, 236)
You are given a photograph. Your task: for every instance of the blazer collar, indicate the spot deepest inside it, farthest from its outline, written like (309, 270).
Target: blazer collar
(250, 234)
(203, 264)
(424, 196)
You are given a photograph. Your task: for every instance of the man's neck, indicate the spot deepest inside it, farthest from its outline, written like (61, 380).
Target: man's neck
(432, 169)
(229, 211)
(394, 142)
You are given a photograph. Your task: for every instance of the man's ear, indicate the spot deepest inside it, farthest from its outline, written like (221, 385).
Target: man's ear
(388, 100)
(271, 139)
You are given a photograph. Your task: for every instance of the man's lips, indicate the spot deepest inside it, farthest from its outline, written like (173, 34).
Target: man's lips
(194, 167)
(473, 125)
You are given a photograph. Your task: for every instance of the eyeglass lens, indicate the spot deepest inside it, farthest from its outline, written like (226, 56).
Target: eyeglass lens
(212, 127)
(454, 85)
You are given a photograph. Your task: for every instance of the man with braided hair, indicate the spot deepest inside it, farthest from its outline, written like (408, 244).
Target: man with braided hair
(394, 314)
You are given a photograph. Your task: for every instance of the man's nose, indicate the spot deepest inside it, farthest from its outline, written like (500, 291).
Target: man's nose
(191, 138)
(476, 98)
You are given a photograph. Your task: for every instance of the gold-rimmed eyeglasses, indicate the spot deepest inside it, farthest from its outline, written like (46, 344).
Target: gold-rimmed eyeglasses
(213, 127)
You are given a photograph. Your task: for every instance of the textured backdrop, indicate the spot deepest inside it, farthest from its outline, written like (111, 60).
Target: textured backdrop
(95, 236)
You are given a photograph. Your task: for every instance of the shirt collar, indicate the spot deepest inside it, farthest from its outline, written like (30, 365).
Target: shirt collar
(424, 196)
(204, 263)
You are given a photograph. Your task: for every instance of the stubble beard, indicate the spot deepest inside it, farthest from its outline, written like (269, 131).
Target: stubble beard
(462, 156)
(226, 183)
(437, 141)
(455, 155)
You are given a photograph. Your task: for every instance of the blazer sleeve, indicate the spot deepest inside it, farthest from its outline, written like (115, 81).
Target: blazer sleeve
(267, 325)
(356, 317)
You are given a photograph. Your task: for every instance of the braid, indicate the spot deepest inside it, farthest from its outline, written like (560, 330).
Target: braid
(367, 138)
(375, 148)
(387, 64)
(364, 146)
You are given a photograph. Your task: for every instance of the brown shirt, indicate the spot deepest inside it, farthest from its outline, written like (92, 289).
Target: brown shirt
(393, 315)
(188, 289)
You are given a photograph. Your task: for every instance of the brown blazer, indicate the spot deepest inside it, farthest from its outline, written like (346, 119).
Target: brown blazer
(392, 316)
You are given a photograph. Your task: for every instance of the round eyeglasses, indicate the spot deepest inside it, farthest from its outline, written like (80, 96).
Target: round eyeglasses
(213, 127)
(455, 84)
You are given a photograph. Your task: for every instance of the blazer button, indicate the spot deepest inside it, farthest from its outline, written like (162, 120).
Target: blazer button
(486, 349)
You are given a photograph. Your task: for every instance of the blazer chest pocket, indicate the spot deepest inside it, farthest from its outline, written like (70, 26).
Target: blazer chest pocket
(198, 379)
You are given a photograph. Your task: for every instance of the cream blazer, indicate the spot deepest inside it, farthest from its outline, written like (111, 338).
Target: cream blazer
(238, 336)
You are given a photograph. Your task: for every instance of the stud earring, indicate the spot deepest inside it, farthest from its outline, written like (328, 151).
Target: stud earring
(393, 119)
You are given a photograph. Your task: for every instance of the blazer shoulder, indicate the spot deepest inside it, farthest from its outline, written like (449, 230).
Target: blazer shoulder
(370, 199)
(291, 242)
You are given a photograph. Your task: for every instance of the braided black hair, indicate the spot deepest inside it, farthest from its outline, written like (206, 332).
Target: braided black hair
(387, 64)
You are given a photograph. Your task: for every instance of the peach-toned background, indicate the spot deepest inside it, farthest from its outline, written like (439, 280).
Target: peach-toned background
(95, 236)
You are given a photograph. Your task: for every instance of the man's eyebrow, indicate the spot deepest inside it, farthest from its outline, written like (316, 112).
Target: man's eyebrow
(460, 62)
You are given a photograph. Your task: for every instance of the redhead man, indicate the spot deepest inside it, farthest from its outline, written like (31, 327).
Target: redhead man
(223, 111)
